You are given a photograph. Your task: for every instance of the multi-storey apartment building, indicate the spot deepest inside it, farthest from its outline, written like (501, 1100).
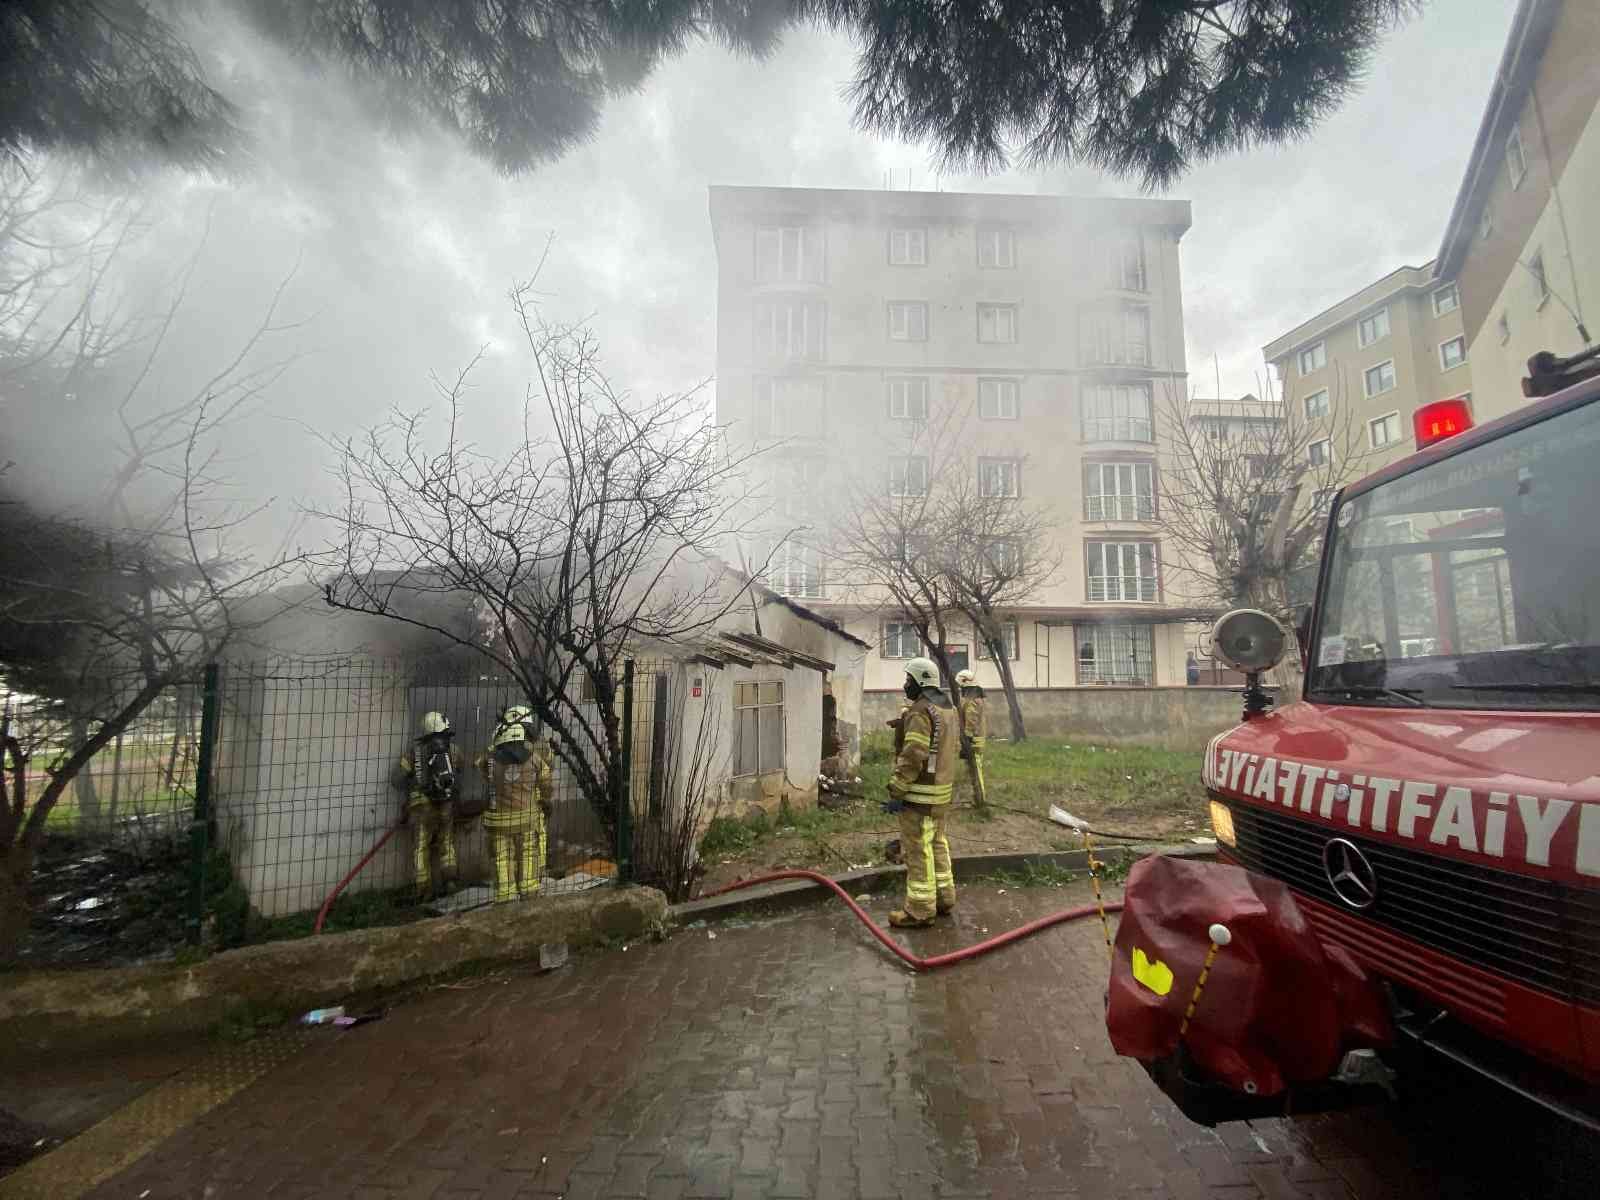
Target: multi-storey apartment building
(1050, 328)
(1357, 371)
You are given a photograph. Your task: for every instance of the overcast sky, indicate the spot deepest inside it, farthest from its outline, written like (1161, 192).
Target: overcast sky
(406, 249)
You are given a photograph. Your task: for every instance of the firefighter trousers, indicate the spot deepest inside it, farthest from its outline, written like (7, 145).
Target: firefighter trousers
(930, 881)
(980, 794)
(519, 841)
(433, 830)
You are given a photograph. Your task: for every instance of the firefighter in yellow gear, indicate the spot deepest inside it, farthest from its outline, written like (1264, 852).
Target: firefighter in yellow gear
(974, 733)
(520, 776)
(920, 790)
(428, 774)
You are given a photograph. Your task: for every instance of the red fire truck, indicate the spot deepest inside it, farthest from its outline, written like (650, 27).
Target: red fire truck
(1432, 802)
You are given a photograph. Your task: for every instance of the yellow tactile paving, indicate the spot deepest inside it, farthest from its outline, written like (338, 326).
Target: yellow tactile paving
(133, 1131)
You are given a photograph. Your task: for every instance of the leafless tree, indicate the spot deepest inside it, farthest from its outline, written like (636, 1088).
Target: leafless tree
(996, 553)
(1245, 489)
(592, 534)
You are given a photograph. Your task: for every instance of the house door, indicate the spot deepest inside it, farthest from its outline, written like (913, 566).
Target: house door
(958, 657)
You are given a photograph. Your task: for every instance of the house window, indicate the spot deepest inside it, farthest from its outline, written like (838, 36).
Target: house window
(1116, 654)
(788, 254)
(1122, 571)
(997, 322)
(1126, 263)
(999, 477)
(908, 477)
(1117, 413)
(1118, 336)
(908, 247)
(1373, 327)
(908, 321)
(908, 398)
(899, 640)
(1541, 285)
(1317, 404)
(1446, 300)
(1379, 379)
(1452, 353)
(1313, 358)
(790, 329)
(1516, 160)
(1002, 559)
(996, 248)
(1504, 328)
(1011, 635)
(1384, 431)
(793, 570)
(997, 399)
(790, 407)
(1320, 452)
(1258, 465)
(757, 728)
(1119, 492)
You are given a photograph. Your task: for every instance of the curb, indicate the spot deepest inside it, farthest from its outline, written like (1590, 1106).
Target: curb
(769, 898)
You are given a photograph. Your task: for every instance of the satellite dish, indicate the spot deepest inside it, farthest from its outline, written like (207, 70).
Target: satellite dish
(1249, 640)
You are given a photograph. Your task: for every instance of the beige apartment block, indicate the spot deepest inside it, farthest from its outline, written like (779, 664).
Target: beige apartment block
(1047, 330)
(1357, 371)
(1523, 240)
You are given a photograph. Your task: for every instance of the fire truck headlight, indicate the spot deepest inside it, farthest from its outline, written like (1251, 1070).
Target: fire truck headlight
(1222, 823)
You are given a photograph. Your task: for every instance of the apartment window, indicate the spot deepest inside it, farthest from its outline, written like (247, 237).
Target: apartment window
(1373, 327)
(1320, 452)
(1317, 404)
(908, 247)
(999, 477)
(1452, 353)
(908, 398)
(997, 399)
(1002, 558)
(1446, 300)
(1379, 379)
(794, 570)
(789, 407)
(1117, 413)
(797, 488)
(790, 329)
(1313, 358)
(1010, 636)
(1118, 336)
(1384, 431)
(1257, 465)
(899, 640)
(1122, 571)
(997, 322)
(1119, 492)
(757, 728)
(908, 321)
(996, 248)
(1516, 160)
(1116, 654)
(1541, 285)
(1126, 263)
(789, 254)
(908, 477)
(1503, 326)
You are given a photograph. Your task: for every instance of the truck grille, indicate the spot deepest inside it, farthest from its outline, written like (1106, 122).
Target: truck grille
(1534, 932)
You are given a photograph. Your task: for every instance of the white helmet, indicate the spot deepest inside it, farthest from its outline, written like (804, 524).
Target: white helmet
(435, 722)
(515, 714)
(924, 672)
(965, 678)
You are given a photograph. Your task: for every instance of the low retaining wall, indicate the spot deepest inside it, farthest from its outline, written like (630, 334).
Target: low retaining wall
(1181, 718)
(49, 1010)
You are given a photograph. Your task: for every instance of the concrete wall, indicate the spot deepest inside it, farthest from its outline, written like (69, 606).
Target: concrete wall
(1178, 718)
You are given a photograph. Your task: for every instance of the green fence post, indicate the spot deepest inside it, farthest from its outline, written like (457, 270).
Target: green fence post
(200, 823)
(625, 798)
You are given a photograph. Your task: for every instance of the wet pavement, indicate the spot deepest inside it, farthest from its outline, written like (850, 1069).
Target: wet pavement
(793, 1059)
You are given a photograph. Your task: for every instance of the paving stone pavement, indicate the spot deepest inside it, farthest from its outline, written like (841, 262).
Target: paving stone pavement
(793, 1060)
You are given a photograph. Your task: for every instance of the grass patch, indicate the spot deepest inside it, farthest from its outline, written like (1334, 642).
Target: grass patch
(1031, 875)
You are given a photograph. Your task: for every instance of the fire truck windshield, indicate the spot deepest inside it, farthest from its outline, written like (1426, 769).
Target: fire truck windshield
(1473, 582)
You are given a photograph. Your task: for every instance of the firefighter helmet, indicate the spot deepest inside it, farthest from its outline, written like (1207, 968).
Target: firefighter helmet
(923, 672)
(965, 678)
(516, 714)
(435, 722)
